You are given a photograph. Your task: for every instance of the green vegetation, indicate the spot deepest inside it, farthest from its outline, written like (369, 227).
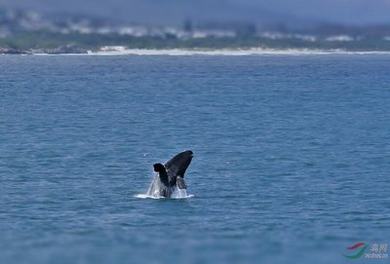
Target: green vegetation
(51, 42)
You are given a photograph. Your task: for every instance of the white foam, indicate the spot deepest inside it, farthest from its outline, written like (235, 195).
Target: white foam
(180, 194)
(146, 196)
(231, 52)
(154, 191)
(177, 194)
(224, 52)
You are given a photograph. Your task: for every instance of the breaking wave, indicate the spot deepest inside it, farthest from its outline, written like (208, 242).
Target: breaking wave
(224, 52)
(231, 52)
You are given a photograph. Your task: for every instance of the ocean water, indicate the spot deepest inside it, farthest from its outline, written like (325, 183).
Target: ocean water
(291, 158)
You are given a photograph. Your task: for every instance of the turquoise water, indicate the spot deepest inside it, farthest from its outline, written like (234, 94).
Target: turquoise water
(291, 158)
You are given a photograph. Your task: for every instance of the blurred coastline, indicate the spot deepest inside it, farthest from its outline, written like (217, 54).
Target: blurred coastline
(29, 32)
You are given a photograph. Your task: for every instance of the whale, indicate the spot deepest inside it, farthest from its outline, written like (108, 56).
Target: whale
(170, 176)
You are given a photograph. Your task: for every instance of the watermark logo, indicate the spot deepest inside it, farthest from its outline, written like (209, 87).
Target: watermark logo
(364, 250)
(377, 251)
(356, 251)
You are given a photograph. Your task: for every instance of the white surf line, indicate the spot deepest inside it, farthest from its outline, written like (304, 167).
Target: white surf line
(221, 52)
(231, 52)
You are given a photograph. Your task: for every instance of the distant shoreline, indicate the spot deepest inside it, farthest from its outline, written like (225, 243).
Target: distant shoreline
(230, 52)
(208, 52)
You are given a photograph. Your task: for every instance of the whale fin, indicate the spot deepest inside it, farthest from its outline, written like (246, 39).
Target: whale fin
(178, 165)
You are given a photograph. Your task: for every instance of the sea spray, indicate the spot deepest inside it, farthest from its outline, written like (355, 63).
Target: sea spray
(155, 187)
(180, 194)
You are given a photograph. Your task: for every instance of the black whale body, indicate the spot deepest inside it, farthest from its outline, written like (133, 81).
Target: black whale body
(170, 175)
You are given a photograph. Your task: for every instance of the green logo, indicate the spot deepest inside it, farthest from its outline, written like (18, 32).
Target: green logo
(356, 251)
(376, 251)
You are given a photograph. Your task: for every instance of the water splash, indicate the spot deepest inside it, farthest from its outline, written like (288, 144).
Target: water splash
(154, 193)
(154, 188)
(146, 196)
(179, 194)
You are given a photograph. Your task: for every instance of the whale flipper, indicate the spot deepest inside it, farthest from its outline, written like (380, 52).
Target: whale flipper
(178, 165)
